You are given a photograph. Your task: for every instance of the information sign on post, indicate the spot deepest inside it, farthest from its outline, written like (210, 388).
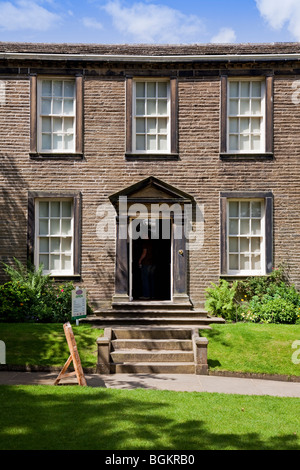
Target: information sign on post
(78, 303)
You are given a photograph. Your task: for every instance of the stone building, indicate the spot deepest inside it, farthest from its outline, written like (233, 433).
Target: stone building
(195, 147)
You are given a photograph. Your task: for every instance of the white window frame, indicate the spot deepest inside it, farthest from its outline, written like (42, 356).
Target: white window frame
(61, 115)
(37, 236)
(156, 116)
(262, 236)
(262, 116)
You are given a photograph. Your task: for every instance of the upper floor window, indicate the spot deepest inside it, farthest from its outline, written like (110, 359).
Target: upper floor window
(151, 110)
(56, 116)
(151, 107)
(246, 116)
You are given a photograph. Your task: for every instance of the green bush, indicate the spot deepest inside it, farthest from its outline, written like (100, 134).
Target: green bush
(269, 299)
(30, 296)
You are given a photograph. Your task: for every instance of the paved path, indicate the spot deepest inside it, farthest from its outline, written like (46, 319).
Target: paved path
(178, 382)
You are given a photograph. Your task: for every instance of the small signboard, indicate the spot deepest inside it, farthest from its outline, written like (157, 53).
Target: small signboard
(78, 303)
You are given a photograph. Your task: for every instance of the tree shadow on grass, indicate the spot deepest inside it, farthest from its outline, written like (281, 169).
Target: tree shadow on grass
(71, 418)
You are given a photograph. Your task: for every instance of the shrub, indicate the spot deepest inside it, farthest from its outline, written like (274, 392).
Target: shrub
(30, 296)
(220, 300)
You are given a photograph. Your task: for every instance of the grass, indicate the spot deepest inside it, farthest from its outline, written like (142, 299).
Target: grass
(46, 344)
(255, 348)
(69, 417)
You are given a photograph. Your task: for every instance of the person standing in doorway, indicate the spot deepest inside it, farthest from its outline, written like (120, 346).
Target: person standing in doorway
(147, 266)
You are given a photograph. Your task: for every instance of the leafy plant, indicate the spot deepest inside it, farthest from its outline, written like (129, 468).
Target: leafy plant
(220, 300)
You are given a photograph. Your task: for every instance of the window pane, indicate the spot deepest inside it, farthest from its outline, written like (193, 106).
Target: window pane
(233, 125)
(140, 107)
(57, 124)
(162, 142)
(57, 88)
(151, 107)
(54, 227)
(234, 107)
(54, 262)
(57, 106)
(140, 125)
(55, 245)
(244, 125)
(69, 125)
(151, 89)
(44, 259)
(66, 245)
(46, 106)
(255, 142)
(68, 106)
(244, 245)
(245, 89)
(256, 264)
(233, 142)
(244, 262)
(256, 209)
(162, 107)
(46, 88)
(234, 89)
(162, 127)
(162, 89)
(151, 126)
(140, 89)
(244, 142)
(234, 262)
(245, 107)
(46, 124)
(69, 142)
(43, 227)
(233, 209)
(140, 142)
(233, 245)
(66, 263)
(256, 89)
(151, 142)
(44, 245)
(55, 209)
(244, 227)
(46, 142)
(256, 107)
(66, 227)
(233, 227)
(57, 142)
(66, 207)
(69, 88)
(43, 209)
(245, 209)
(256, 227)
(255, 125)
(255, 245)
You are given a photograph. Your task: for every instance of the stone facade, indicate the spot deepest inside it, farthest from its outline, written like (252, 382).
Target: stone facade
(104, 168)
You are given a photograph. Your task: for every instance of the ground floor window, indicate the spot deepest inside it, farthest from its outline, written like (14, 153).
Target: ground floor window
(54, 232)
(246, 233)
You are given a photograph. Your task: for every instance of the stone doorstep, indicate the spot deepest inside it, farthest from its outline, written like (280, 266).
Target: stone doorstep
(140, 355)
(153, 344)
(153, 368)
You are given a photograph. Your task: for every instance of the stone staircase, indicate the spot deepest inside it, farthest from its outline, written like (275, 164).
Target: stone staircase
(156, 350)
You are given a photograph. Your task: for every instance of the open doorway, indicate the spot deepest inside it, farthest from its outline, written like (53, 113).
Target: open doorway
(150, 258)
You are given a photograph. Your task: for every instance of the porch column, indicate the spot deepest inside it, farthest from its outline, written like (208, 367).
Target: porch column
(121, 272)
(180, 262)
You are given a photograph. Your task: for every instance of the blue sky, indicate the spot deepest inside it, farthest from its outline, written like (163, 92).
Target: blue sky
(150, 21)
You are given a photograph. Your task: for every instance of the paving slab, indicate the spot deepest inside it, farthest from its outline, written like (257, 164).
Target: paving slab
(174, 382)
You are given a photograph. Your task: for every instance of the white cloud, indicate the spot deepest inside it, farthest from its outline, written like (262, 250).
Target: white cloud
(225, 36)
(146, 22)
(26, 15)
(91, 23)
(278, 13)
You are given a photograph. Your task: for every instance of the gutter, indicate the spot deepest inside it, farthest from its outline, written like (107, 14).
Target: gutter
(148, 58)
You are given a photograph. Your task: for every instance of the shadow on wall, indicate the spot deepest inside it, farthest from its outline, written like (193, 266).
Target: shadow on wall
(13, 214)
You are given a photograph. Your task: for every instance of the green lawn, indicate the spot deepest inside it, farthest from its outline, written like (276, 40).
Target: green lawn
(70, 417)
(241, 347)
(46, 344)
(256, 348)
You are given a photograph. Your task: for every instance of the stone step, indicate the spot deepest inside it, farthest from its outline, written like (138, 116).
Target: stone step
(149, 320)
(150, 312)
(156, 344)
(140, 355)
(153, 368)
(151, 304)
(152, 333)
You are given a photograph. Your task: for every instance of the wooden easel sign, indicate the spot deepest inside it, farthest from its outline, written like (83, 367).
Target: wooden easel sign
(74, 356)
